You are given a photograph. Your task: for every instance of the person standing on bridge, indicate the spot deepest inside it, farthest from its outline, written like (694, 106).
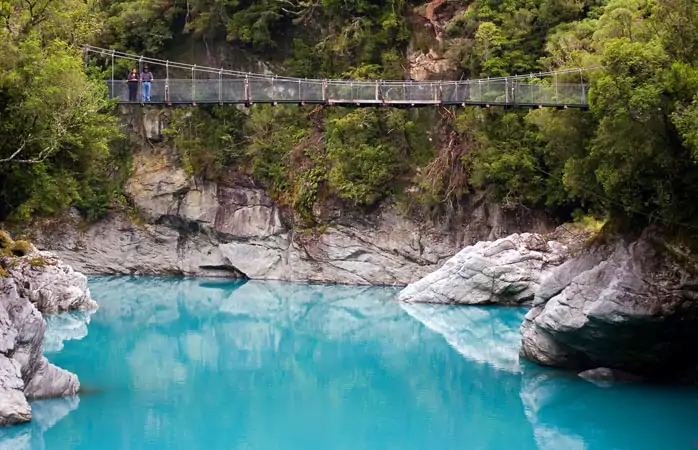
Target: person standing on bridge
(146, 79)
(132, 82)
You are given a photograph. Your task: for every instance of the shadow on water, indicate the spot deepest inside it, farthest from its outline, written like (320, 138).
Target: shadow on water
(173, 361)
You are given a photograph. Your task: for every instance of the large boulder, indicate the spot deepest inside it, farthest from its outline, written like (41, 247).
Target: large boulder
(506, 271)
(630, 304)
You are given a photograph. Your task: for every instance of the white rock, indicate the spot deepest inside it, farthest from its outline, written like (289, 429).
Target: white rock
(506, 271)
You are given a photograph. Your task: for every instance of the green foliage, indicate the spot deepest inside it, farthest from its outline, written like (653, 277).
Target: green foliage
(686, 121)
(207, 138)
(139, 25)
(272, 134)
(55, 124)
(509, 159)
(38, 261)
(362, 155)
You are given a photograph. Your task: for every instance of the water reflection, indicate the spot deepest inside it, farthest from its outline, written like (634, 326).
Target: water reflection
(185, 363)
(481, 334)
(564, 411)
(177, 361)
(64, 327)
(45, 414)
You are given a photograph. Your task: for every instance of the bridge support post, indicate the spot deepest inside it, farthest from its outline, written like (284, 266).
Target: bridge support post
(248, 101)
(583, 101)
(193, 85)
(506, 91)
(441, 92)
(112, 75)
(167, 82)
(220, 87)
(324, 91)
(140, 81)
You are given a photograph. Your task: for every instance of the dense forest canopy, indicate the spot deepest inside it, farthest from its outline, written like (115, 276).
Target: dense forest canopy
(634, 155)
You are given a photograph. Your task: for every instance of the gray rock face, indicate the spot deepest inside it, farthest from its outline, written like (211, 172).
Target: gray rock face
(24, 371)
(506, 271)
(626, 305)
(234, 229)
(36, 283)
(50, 284)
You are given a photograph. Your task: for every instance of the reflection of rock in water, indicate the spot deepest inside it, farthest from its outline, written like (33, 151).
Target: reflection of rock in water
(541, 389)
(157, 300)
(491, 336)
(64, 327)
(45, 414)
(487, 335)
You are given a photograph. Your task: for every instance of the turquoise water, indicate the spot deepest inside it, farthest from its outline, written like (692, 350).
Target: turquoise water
(200, 364)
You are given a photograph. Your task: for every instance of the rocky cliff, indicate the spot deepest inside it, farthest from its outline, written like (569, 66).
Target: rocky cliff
(31, 284)
(233, 228)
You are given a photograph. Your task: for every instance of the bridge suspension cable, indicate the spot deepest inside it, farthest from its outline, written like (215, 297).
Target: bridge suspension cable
(219, 85)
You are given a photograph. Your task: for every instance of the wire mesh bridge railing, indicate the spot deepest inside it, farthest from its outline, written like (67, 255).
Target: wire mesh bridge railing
(177, 83)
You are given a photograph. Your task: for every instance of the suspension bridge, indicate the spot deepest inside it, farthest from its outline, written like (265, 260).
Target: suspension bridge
(177, 83)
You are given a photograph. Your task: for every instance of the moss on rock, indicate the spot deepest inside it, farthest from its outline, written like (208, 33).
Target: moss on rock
(5, 240)
(22, 248)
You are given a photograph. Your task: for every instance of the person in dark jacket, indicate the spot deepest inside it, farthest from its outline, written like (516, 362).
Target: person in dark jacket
(132, 82)
(146, 79)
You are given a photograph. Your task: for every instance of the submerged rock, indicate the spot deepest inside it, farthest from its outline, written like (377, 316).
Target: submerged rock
(605, 377)
(506, 271)
(629, 305)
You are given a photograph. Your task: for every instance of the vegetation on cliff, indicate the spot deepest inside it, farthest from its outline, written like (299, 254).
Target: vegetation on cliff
(633, 155)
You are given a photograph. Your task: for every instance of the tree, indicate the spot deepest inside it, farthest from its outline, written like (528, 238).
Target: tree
(55, 121)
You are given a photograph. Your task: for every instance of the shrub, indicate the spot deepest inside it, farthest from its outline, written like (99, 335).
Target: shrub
(38, 261)
(22, 248)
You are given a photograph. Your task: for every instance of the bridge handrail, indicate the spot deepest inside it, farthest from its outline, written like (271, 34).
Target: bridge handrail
(251, 75)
